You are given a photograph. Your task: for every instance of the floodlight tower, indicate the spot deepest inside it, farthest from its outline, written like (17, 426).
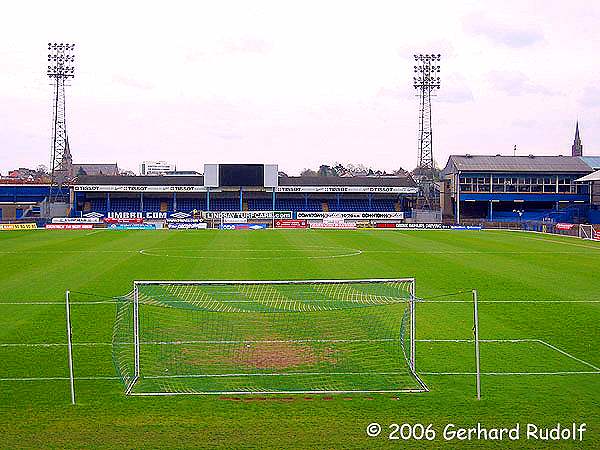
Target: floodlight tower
(426, 80)
(61, 67)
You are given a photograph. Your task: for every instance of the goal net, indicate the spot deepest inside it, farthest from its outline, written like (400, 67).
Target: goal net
(221, 337)
(587, 232)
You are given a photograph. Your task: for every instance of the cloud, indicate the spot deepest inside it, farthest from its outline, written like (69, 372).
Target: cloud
(516, 83)
(246, 45)
(131, 82)
(498, 32)
(228, 136)
(455, 90)
(445, 48)
(591, 97)
(231, 47)
(524, 123)
(399, 92)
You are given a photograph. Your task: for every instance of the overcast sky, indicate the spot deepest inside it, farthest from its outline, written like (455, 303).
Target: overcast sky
(299, 83)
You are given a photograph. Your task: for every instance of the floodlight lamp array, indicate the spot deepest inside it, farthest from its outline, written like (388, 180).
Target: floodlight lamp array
(426, 72)
(61, 59)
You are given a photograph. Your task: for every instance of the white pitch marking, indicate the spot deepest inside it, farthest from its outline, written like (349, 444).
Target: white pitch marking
(66, 251)
(152, 394)
(470, 252)
(480, 340)
(91, 344)
(554, 241)
(539, 341)
(567, 354)
(61, 303)
(251, 301)
(57, 378)
(353, 252)
(510, 301)
(285, 374)
(510, 373)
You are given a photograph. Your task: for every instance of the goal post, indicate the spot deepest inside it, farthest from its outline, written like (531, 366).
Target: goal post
(249, 337)
(586, 231)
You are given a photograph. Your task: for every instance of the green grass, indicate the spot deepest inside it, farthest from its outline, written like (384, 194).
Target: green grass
(39, 266)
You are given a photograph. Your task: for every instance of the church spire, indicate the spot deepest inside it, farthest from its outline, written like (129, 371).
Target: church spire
(577, 148)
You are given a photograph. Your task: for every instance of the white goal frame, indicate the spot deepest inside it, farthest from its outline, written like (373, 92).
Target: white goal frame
(586, 232)
(411, 325)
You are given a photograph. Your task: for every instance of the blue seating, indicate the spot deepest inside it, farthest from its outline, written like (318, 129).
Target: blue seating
(261, 204)
(98, 204)
(224, 204)
(298, 204)
(189, 204)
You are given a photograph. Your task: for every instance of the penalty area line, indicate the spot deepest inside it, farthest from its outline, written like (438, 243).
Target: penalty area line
(516, 341)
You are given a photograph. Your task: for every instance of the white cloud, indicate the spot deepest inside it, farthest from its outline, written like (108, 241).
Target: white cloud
(504, 32)
(591, 97)
(516, 83)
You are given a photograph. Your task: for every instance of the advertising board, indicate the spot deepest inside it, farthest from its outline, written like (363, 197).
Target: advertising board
(76, 220)
(132, 226)
(564, 226)
(129, 188)
(148, 215)
(17, 226)
(69, 226)
(350, 189)
(414, 226)
(113, 220)
(242, 226)
(395, 215)
(187, 226)
(333, 225)
(290, 223)
(248, 215)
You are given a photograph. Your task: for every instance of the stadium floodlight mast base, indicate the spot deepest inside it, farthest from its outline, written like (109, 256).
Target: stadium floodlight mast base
(177, 307)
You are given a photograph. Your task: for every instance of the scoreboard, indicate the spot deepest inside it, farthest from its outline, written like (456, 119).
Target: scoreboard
(241, 175)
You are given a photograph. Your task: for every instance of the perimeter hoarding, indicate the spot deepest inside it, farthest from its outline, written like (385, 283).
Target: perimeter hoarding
(291, 223)
(69, 226)
(333, 225)
(76, 220)
(415, 226)
(17, 226)
(248, 215)
(242, 226)
(132, 226)
(187, 226)
(564, 226)
(110, 220)
(396, 215)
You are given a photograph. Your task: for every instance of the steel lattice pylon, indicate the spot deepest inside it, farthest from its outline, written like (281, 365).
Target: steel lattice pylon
(60, 68)
(426, 80)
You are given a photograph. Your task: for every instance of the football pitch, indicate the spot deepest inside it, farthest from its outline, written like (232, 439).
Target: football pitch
(539, 316)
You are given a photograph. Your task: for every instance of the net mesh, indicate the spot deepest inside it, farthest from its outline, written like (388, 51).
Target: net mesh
(266, 337)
